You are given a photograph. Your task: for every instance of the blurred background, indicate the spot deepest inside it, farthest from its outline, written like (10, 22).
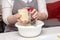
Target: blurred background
(1, 21)
(53, 7)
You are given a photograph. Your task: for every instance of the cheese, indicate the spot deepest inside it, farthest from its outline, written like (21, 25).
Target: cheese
(24, 13)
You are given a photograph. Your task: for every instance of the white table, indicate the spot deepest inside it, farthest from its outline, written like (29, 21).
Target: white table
(46, 34)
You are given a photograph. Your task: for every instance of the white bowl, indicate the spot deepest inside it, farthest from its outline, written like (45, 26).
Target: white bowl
(30, 31)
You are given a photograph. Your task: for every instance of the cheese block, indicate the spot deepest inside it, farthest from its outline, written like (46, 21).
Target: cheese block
(24, 13)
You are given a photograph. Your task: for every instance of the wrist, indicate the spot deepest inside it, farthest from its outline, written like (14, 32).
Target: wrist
(11, 19)
(42, 16)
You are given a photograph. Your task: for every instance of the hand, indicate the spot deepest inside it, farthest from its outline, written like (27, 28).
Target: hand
(18, 16)
(35, 13)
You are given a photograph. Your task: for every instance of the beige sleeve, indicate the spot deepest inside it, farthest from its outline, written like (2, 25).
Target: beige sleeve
(42, 6)
(6, 10)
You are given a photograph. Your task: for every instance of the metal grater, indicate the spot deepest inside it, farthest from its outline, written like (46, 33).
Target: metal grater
(31, 20)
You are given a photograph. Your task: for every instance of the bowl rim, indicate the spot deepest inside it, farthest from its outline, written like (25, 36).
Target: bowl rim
(39, 25)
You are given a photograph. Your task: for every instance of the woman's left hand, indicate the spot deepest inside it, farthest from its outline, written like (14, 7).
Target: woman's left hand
(35, 14)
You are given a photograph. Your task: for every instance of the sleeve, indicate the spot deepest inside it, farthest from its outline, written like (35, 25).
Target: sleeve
(42, 6)
(6, 10)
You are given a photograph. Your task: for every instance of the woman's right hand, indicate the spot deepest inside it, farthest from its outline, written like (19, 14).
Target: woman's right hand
(18, 16)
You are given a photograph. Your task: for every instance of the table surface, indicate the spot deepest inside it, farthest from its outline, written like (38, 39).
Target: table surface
(45, 35)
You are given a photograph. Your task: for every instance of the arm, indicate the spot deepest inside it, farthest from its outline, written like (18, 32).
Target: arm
(8, 18)
(6, 11)
(42, 9)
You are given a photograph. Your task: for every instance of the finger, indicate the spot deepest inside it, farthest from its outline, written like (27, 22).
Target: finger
(25, 22)
(19, 20)
(35, 14)
(34, 10)
(17, 15)
(36, 17)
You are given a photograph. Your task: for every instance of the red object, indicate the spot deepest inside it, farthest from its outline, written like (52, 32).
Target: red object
(30, 9)
(54, 10)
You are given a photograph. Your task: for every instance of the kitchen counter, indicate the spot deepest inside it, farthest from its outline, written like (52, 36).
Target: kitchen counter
(52, 33)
